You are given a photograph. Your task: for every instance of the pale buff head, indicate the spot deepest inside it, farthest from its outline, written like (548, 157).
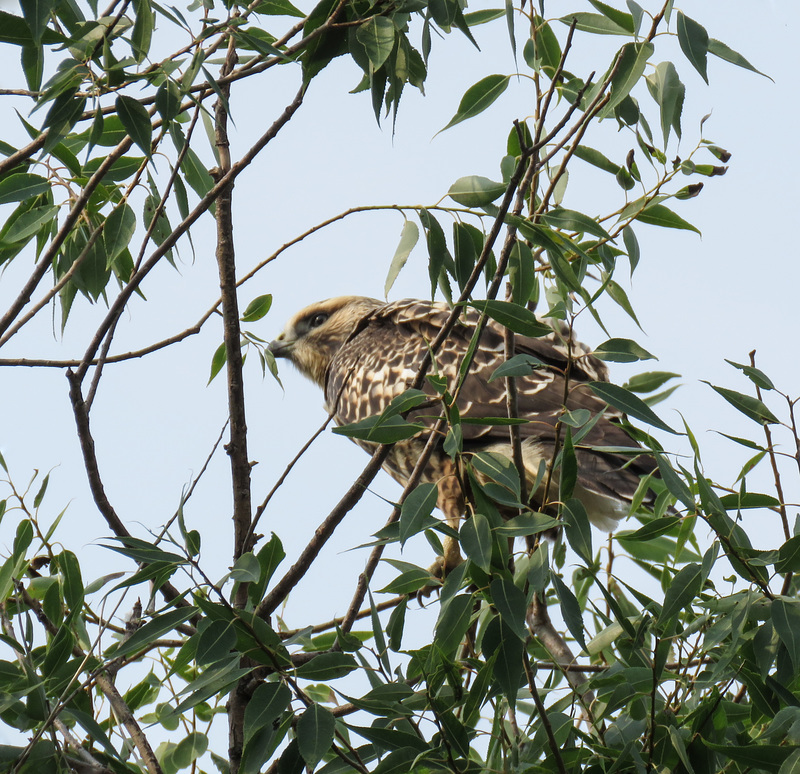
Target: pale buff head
(314, 335)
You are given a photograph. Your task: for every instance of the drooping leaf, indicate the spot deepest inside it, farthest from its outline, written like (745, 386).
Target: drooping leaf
(377, 35)
(315, 729)
(409, 236)
(693, 40)
(136, 120)
(416, 510)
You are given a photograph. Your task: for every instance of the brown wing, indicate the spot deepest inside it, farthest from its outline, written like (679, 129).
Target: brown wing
(382, 359)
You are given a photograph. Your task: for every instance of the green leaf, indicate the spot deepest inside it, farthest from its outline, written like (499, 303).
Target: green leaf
(649, 381)
(596, 24)
(681, 590)
(620, 18)
(693, 40)
(315, 729)
(758, 377)
(667, 90)
(622, 351)
(22, 185)
(718, 48)
(571, 610)
(416, 510)
(659, 215)
(758, 757)
(747, 404)
(378, 430)
(511, 604)
(476, 540)
(569, 220)
(577, 528)
(478, 97)
(257, 308)
(24, 224)
(475, 191)
(632, 246)
(633, 58)
(152, 630)
(279, 8)
(168, 99)
(377, 36)
(327, 666)
(786, 620)
(136, 120)
(215, 642)
(409, 236)
(118, 231)
(217, 361)
(512, 316)
(628, 403)
(652, 529)
(453, 622)
(189, 749)
(519, 365)
(596, 159)
(37, 14)
(522, 273)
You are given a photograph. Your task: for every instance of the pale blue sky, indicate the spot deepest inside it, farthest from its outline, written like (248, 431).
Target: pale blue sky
(700, 300)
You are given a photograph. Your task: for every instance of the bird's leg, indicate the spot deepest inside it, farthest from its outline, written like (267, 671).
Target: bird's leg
(451, 504)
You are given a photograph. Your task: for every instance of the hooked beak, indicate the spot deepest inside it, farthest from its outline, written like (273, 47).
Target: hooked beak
(280, 347)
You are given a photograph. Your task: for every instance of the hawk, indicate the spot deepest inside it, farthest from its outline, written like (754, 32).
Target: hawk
(363, 353)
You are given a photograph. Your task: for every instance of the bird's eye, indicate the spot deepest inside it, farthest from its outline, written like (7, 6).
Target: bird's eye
(317, 320)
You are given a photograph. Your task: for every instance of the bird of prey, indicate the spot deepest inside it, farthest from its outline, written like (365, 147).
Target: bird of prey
(363, 353)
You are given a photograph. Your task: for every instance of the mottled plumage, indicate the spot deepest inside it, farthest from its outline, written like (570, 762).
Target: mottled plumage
(366, 352)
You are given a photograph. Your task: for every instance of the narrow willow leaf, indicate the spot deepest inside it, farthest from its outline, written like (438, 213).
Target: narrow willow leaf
(118, 231)
(668, 91)
(649, 381)
(21, 227)
(136, 120)
(632, 246)
(747, 404)
(416, 510)
(596, 23)
(378, 430)
(633, 58)
(522, 273)
(152, 630)
(630, 404)
(786, 620)
(20, 186)
(758, 377)
(476, 540)
(596, 159)
(578, 529)
(676, 486)
(475, 191)
(622, 351)
(571, 610)
(659, 215)
(454, 620)
(217, 361)
(693, 40)
(682, 589)
(409, 236)
(511, 604)
(377, 36)
(315, 729)
(514, 317)
(718, 48)
(569, 220)
(478, 97)
(519, 365)
(620, 18)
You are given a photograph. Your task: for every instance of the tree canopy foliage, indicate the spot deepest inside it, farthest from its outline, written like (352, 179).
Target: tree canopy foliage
(542, 657)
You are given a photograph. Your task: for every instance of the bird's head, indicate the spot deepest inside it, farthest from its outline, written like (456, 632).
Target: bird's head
(314, 335)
